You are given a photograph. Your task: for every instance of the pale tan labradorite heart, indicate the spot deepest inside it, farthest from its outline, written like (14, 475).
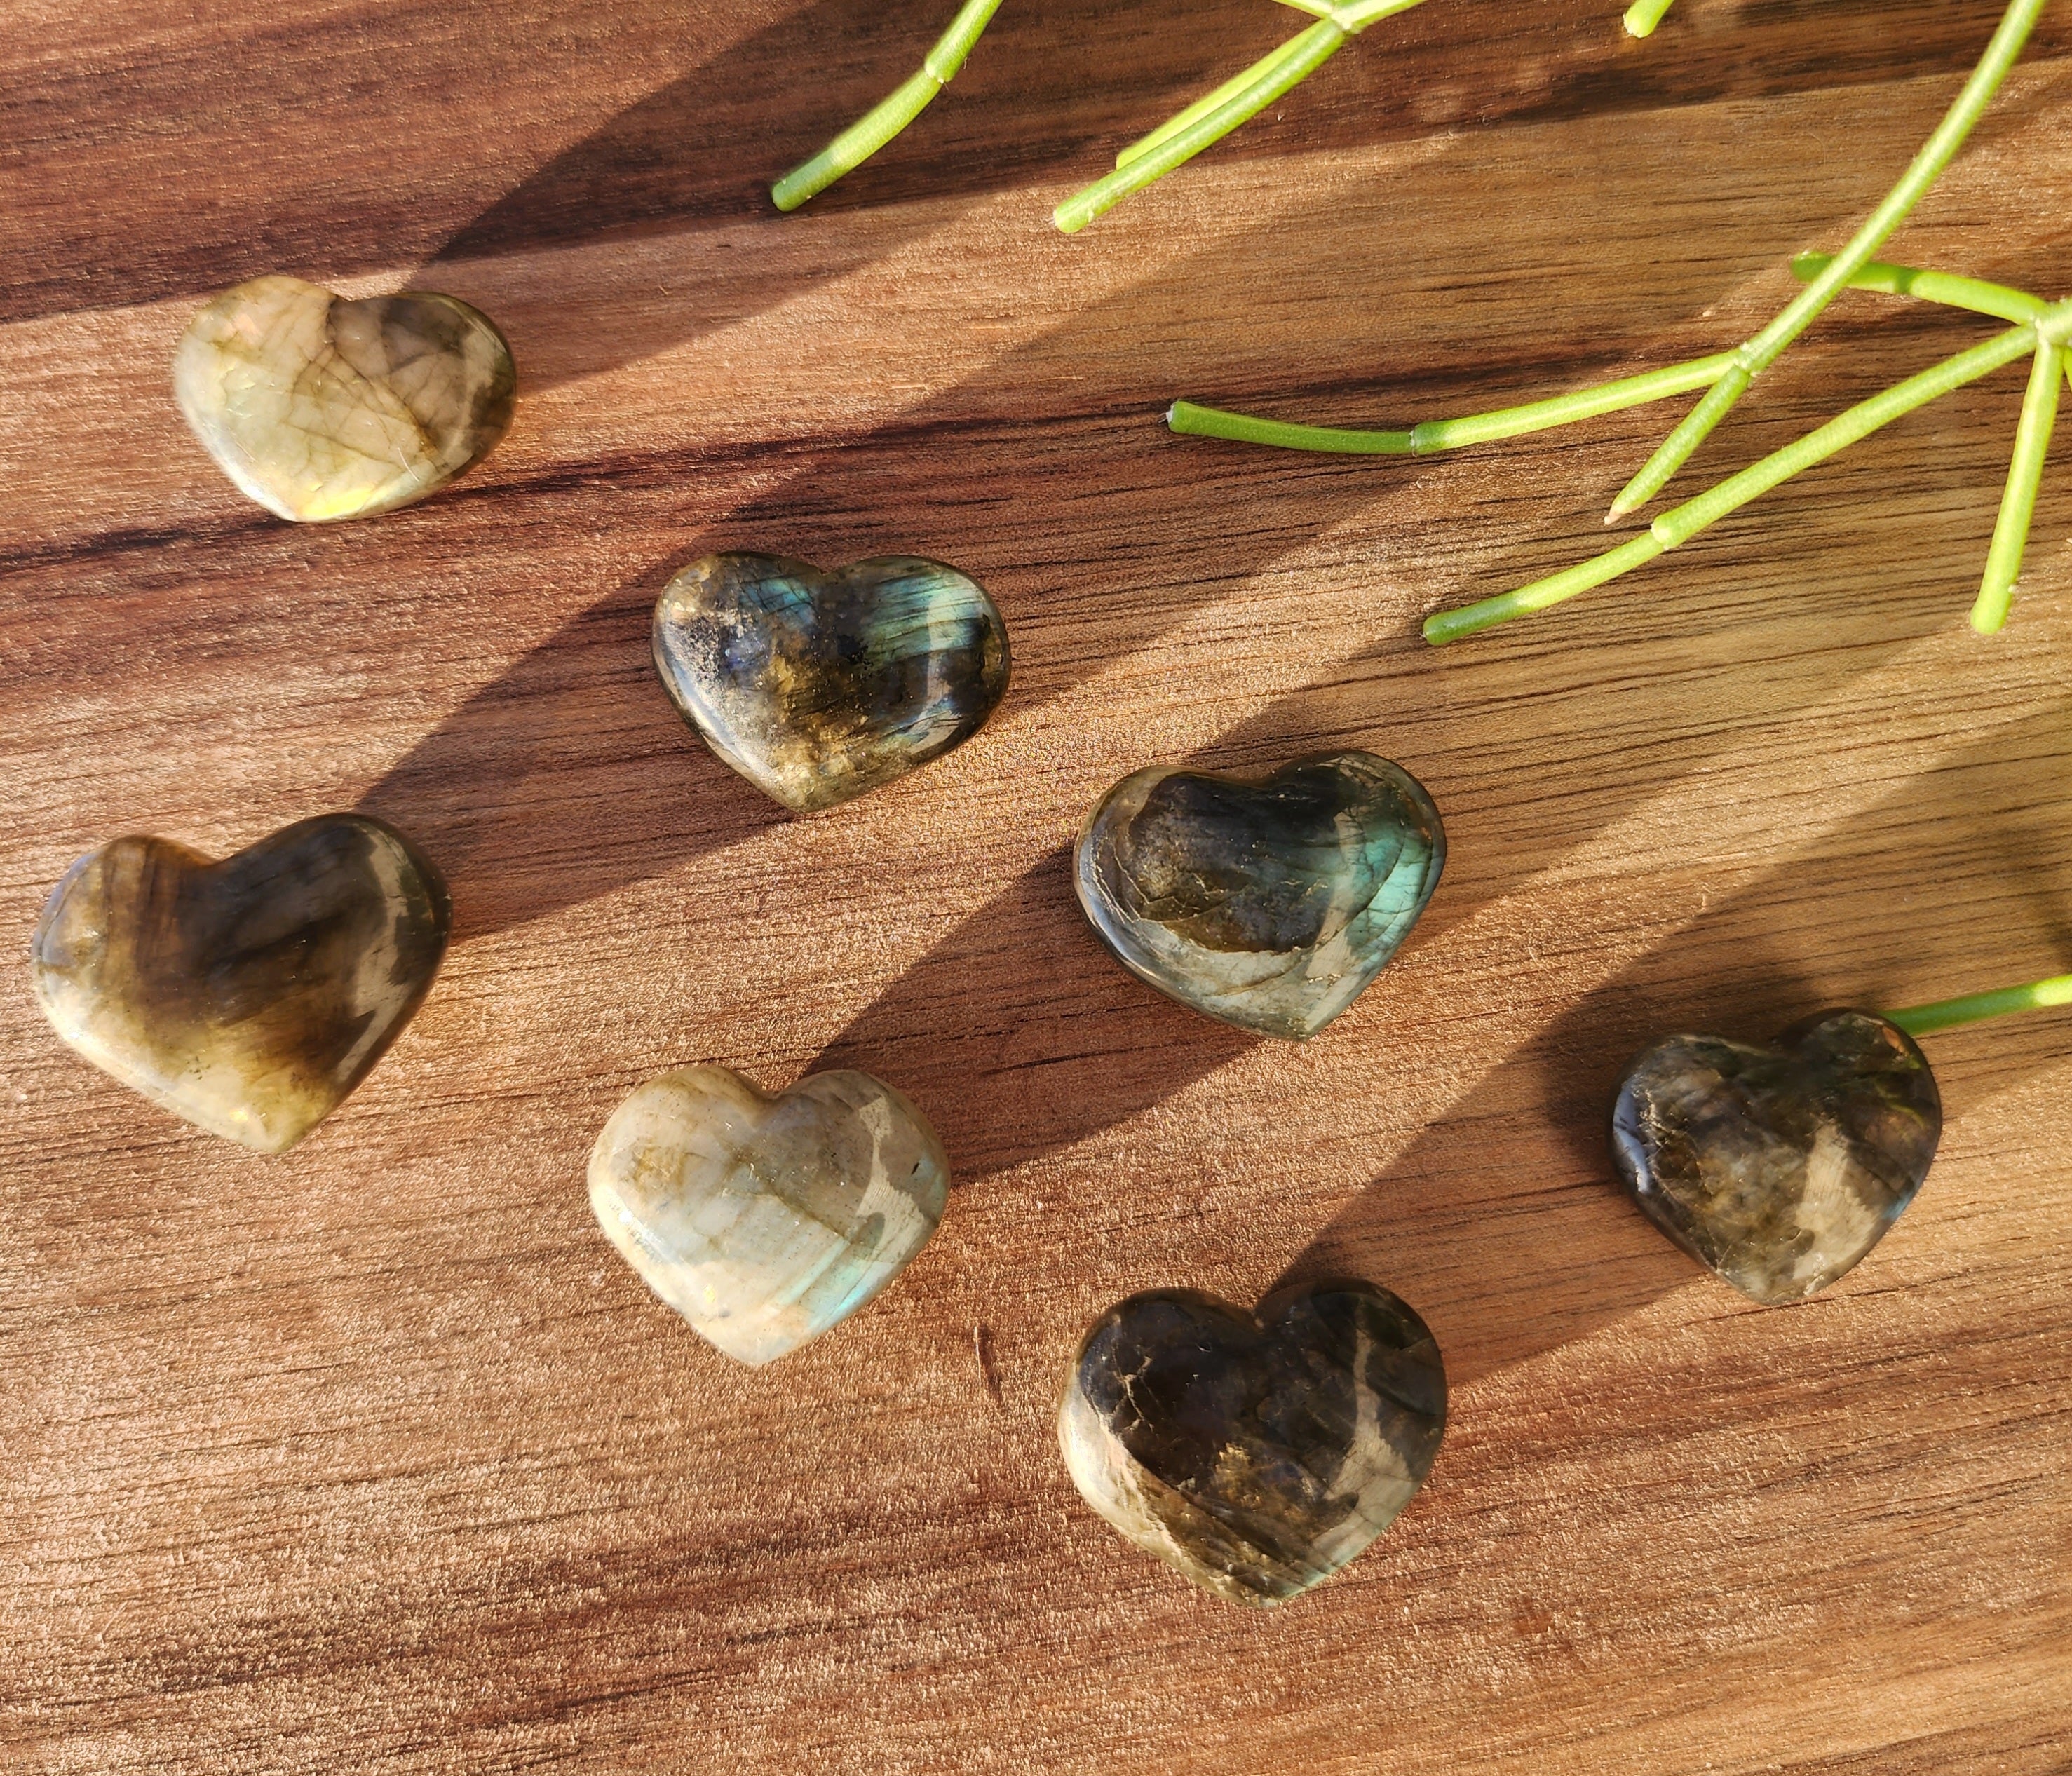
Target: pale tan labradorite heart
(765, 1220)
(322, 408)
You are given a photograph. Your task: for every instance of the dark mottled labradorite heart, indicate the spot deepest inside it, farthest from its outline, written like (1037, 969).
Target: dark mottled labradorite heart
(248, 996)
(1270, 905)
(1779, 1167)
(819, 686)
(320, 408)
(1256, 1452)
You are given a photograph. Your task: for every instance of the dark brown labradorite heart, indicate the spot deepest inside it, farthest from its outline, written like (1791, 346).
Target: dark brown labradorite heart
(817, 687)
(1779, 1167)
(1256, 1452)
(1269, 905)
(248, 996)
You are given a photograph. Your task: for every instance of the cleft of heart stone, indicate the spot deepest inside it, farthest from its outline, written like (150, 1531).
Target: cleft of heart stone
(249, 995)
(322, 408)
(1269, 905)
(817, 687)
(765, 1220)
(1256, 1452)
(1779, 1167)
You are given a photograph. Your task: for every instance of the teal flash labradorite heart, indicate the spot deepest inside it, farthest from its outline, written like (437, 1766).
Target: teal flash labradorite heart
(1269, 905)
(1256, 1452)
(248, 996)
(322, 408)
(817, 687)
(765, 1220)
(1779, 1167)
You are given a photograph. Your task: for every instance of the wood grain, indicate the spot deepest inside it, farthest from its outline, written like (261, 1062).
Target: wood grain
(376, 1459)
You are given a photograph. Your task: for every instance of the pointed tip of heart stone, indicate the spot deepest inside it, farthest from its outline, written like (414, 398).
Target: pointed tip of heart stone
(765, 1220)
(247, 996)
(1779, 1167)
(1270, 905)
(819, 686)
(322, 408)
(1256, 1452)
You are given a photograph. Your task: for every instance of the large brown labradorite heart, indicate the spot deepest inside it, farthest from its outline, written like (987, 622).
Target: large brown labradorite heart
(766, 1220)
(817, 687)
(1269, 905)
(1779, 1167)
(1256, 1452)
(248, 996)
(319, 408)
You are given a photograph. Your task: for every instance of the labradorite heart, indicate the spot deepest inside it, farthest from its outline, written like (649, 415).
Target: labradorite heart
(320, 408)
(817, 687)
(1270, 905)
(1779, 1167)
(248, 996)
(765, 1220)
(1256, 1452)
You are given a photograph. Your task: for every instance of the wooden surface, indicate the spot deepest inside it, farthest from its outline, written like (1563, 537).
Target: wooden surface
(376, 1458)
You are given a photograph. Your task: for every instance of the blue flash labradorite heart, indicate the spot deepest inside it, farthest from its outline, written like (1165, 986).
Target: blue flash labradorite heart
(1779, 1167)
(1256, 1452)
(1269, 905)
(819, 686)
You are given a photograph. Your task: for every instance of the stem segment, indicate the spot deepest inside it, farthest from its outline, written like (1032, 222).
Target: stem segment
(1757, 354)
(1451, 434)
(1948, 1014)
(1210, 119)
(884, 120)
(1678, 525)
(1642, 16)
(2032, 445)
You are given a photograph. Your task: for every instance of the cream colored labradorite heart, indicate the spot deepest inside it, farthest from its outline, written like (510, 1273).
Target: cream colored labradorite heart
(322, 408)
(765, 1220)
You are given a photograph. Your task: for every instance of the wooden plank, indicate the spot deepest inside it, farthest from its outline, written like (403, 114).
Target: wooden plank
(376, 1458)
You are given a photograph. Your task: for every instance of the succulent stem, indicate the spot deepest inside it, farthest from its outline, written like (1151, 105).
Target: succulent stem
(1758, 353)
(2032, 444)
(1948, 1014)
(1682, 523)
(1642, 16)
(1211, 117)
(885, 119)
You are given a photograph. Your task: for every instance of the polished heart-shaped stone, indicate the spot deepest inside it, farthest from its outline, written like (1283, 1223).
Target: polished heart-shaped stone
(1270, 905)
(1256, 1452)
(1779, 1167)
(248, 996)
(765, 1220)
(320, 408)
(817, 687)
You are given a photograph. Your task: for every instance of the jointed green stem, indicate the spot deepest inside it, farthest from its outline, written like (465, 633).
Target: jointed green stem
(1260, 70)
(1451, 434)
(1951, 291)
(1681, 524)
(1757, 354)
(1642, 16)
(2032, 444)
(1210, 119)
(869, 133)
(1947, 1013)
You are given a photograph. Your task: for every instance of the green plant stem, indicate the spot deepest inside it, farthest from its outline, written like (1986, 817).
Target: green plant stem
(1758, 353)
(1678, 526)
(1948, 1014)
(1450, 434)
(877, 126)
(1175, 142)
(2032, 445)
(1973, 293)
(1262, 69)
(1642, 16)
